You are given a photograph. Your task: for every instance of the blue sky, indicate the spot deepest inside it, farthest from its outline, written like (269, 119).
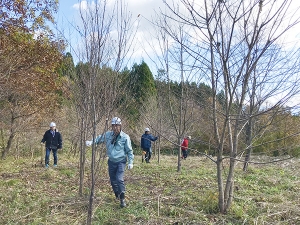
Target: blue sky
(66, 9)
(68, 16)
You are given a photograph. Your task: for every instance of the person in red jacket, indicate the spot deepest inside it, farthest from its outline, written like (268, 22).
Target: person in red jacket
(184, 147)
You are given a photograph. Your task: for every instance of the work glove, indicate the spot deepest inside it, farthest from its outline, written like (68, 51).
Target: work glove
(130, 166)
(88, 143)
(42, 143)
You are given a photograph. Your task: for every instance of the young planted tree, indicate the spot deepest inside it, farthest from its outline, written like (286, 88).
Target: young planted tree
(240, 46)
(106, 31)
(277, 63)
(172, 59)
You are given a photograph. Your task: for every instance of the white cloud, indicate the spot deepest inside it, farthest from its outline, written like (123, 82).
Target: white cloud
(143, 12)
(81, 5)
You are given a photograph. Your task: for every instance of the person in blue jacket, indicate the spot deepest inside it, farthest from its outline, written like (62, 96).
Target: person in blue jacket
(118, 150)
(53, 141)
(146, 144)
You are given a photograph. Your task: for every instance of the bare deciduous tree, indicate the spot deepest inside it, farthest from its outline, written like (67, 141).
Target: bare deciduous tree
(171, 60)
(240, 46)
(107, 34)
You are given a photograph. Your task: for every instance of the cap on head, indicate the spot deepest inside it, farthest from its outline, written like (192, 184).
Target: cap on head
(52, 124)
(189, 137)
(116, 120)
(147, 129)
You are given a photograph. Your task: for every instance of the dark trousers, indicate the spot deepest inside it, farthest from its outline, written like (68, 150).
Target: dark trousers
(116, 174)
(148, 154)
(184, 153)
(54, 151)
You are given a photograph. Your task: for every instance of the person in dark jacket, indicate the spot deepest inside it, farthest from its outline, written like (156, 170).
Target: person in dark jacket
(146, 144)
(53, 141)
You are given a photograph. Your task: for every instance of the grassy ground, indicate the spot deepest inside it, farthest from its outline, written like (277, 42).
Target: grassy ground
(156, 194)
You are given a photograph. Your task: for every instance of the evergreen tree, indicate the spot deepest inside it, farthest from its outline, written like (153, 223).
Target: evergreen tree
(67, 67)
(141, 90)
(143, 85)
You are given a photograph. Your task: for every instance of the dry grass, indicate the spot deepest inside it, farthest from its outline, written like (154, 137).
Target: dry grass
(156, 194)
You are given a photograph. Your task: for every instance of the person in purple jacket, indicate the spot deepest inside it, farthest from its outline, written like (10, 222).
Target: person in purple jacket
(146, 144)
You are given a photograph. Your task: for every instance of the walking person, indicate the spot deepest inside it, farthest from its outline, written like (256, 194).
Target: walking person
(53, 141)
(184, 147)
(119, 150)
(146, 144)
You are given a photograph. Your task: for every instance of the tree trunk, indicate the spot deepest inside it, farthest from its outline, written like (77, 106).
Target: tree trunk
(82, 157)
(220, 181)
(93, 164)
(8, 145)
(158, 155)
(178, 157)
(248, 143)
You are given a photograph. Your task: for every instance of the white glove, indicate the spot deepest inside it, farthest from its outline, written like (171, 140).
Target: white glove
(88, 143)
(130, 166)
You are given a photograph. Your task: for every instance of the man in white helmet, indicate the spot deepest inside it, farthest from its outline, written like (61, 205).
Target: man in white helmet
(118, 150)
(53, 141)
(146, 144)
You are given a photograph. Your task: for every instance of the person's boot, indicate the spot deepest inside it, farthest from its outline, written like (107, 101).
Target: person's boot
(122, 203)
(122, 200)
(117, 196)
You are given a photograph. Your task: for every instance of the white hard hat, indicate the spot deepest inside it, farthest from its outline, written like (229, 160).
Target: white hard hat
(116, 120)
(147, 129)
(189, 137)
(52, 124)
